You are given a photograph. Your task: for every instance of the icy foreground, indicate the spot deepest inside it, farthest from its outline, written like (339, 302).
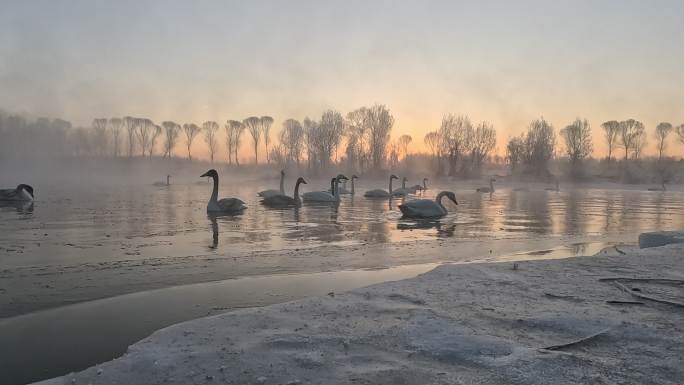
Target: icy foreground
(458, 324)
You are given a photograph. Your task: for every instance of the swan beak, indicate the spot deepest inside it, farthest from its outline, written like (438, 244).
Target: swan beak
(455, 202)
(203, 175)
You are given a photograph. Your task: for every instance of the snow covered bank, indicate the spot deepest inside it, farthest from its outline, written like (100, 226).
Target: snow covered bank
(535, 322)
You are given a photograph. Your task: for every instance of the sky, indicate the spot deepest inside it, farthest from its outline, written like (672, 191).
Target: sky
(506, 62)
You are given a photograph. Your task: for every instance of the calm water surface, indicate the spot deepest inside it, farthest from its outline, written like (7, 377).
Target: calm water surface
(106, 223)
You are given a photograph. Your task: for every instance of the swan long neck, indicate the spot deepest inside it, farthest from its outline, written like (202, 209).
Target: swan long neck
(167, 180)
(336, 190)
(491, 185)
(333, 186)
(282, 183)
(352, 190)
(438, 199)
(424, 184)
(403, 183)
(214, 192)
(390, 186)
(296, 191)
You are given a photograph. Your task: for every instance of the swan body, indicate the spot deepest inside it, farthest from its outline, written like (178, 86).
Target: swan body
(658, 188)
(403, 191)
(325, 196)
(273, 192)
(417, 187)
(427, 208)
(282, 200)
(380, 193)
(22, 193)
(162, 184)
(225, 205)
(489, 189)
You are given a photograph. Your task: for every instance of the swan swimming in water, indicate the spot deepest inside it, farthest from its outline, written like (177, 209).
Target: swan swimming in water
(324, 196)
(427, 208)
(282, 200)
(272, 192)
(489, 189)
(380, 193)
(225, 205)
(161, 184)
(403, 191)
(22, 193)
(417, 187)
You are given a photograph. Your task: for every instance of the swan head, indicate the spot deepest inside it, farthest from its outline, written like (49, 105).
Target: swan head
(451, 196)
(404, 179)
(341, 177)
(425, 179)
(301, 180)
(26, 188)
(282, 172)
(354, 177)
(393, 177)
(212, 173)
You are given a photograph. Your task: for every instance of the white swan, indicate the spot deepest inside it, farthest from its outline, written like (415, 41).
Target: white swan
(380, 193)
(489, 189)
(324, 196)
(282, 200)
(22, 193)
(417, 187)
(403, 191)
(427, 208)
(225, 205)
(272, 192)
(162, 184)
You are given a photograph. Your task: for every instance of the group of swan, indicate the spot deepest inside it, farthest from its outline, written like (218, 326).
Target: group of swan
(332, 195)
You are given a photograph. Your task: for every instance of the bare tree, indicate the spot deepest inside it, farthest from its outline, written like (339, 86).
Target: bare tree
(311, 137)
(191, 130)
(680, 133)
(115, 128)
(210, 128)
(253, 125)
(357, 132)
(540, 142)
(611, 130)
(237, 129)
(431, 140)
(331, 129)
(144, 131)
(662, 131)
(482, 142)
(515, 152)
(578, 146)
(631, 137)
(130, 123)
(454, 138)
(379, 122)
(156, 131)
(292, 139)
(266, 122)
(404, 142)
(230, 137)
(100, 136)
(171, 132)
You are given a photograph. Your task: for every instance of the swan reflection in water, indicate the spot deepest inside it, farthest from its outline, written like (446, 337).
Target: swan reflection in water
(22, 207)
(213, 218)
(443, 229)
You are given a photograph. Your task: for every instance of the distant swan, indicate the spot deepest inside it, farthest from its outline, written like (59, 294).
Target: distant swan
(283, 200)
(427, 208)
(352, 184)
(225, 205)
(23, 193)
(403, 191)
(417, 187)
(489, 189)
(325, 196)
(272, 192)
(161, 184)
(380, 193)
(658, 188)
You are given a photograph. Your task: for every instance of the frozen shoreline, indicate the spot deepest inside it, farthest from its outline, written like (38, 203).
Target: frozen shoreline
(471, 324)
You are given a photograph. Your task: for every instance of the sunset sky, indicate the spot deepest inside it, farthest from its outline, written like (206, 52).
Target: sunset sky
(506, 62)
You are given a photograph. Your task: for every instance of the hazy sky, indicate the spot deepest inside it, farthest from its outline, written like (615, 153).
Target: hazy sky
(503, 61)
